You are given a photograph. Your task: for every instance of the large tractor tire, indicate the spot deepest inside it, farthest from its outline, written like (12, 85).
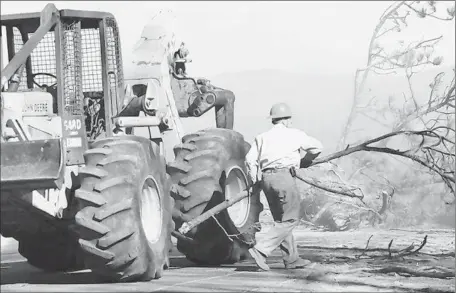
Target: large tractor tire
(209, 167)
(125, 214)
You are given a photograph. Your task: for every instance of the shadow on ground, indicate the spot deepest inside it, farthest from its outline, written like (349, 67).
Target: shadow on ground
(335, 269)
(24, 273)
(20, 272)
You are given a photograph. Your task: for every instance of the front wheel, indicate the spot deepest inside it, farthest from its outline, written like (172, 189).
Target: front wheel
(124, 219)
(52, 251)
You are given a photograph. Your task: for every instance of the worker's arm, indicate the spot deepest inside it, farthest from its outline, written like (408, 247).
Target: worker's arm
(310, 149)
(251, 161)
(310, 144)
(183, 60)
(178, 58)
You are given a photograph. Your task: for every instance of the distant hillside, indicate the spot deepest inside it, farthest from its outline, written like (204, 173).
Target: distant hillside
(320, 103)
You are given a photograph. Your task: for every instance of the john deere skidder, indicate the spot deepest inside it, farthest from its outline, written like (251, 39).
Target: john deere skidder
(87, 177)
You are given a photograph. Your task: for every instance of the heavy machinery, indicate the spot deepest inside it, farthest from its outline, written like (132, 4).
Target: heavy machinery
(88, 179)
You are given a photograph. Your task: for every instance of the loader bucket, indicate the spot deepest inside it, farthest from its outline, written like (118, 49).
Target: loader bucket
(32, 165)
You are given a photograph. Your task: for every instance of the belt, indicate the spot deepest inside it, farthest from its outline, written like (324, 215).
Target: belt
(275, 170)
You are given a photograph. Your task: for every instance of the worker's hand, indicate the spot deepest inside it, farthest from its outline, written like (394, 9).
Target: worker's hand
(307, 157)
(254, 188)
(305, 163)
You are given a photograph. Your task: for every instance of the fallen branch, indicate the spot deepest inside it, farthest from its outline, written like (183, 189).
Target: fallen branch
(408, 250)
(364, 208)
(187, 226)
(349, 192)
(316, 183)
(416, 273)
(377, 249)
(389, 248)
(365, 249)
(400, 253)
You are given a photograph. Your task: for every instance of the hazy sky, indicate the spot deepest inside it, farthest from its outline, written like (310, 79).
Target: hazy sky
(318, 36)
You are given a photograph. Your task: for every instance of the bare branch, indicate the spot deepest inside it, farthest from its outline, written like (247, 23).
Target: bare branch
(393, 19)
(396, 56)
(365, 249)
(391, 10)
(408, 271)
(428, 151)
(342, 190)
(428, 14)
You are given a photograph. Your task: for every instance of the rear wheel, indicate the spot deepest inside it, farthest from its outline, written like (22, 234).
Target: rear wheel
(44, 243)
(124, 219)
(57, 251)
(209, 167)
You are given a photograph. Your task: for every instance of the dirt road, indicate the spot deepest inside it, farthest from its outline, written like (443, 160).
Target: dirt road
(335, 270)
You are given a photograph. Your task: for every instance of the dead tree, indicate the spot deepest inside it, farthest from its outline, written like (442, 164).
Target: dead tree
(427, 127)
(409, 58)
(434, 151)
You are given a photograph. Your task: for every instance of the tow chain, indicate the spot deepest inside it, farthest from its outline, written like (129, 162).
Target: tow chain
(256, 226)
(212, 214)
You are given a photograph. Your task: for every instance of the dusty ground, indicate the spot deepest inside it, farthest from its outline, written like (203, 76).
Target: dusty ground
(335, 270)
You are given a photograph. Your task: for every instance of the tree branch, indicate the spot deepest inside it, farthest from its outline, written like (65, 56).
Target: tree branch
(416, 273)
(316, 183)
(428, 14)
(428, 162)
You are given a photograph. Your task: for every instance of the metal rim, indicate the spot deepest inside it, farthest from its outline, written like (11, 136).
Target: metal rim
(234, 184)
(151, 212)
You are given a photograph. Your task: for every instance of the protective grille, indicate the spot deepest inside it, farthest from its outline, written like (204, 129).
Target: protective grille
(91, 61)
(82, 63)
(114, 62)
(72, 101)
(42, 58)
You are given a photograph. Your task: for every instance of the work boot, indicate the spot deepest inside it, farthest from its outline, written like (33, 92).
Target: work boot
(298, 264)
(259, 259)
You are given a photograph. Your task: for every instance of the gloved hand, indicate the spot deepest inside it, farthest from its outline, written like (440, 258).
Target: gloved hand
(305, 163)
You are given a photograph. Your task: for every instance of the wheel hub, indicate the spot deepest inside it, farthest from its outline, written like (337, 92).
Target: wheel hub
(151, 210)
(234, 184)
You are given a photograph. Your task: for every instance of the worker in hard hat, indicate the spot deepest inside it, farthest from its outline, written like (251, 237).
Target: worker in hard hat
(269, 160)
(180, 58)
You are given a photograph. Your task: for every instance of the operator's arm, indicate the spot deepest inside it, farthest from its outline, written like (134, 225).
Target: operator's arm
(177, 57)
(251, 161)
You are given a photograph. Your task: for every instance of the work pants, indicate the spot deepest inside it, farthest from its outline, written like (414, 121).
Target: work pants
(284, 202)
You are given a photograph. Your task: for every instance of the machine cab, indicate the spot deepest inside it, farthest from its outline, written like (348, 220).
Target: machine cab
(70, 70)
